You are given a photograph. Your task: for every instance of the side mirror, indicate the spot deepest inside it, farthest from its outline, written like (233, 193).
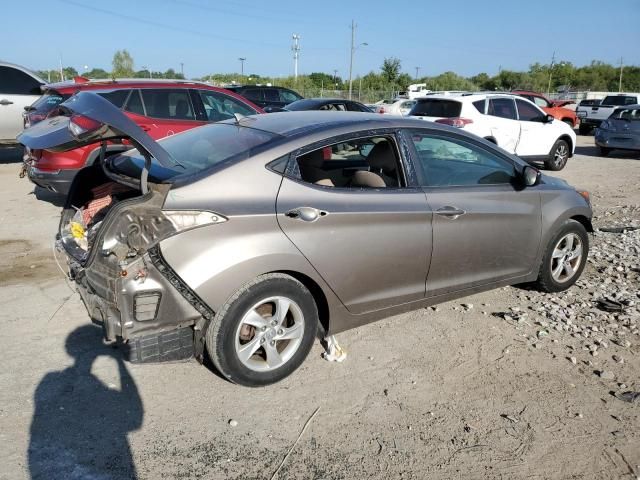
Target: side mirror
(548, 118)
(530, 176)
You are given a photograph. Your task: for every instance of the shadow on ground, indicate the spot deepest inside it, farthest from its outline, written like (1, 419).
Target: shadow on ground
(80, 425)
(591, 151)
(11, 155)
(45, 195)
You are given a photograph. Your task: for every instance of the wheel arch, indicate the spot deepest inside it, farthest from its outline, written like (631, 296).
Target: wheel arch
(585, 221)
(569, 141)
(318, 296)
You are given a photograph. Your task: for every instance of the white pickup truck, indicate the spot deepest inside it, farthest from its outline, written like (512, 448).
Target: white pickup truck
(593, 115)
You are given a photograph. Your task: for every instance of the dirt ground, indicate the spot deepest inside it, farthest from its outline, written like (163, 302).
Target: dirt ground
(453, 393)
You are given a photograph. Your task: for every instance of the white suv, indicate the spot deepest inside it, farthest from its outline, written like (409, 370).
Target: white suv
(513, 123)
(19, 88)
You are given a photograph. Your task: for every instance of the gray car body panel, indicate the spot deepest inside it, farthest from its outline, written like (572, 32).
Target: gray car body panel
(392, 260)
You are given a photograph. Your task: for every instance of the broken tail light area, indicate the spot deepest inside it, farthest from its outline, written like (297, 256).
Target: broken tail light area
(137, 230)
(458, 122)
(82, 126)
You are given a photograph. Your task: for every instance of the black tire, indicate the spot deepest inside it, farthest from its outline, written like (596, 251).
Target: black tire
(558, 156)
(221, 334)
(602, 151)
(546, 281)
(584, 129)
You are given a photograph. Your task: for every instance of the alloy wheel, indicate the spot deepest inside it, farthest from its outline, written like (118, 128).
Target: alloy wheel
(269, 334)
(566, 258)
(561, 154)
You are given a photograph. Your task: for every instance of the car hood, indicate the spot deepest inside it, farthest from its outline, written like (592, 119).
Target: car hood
(554, 181)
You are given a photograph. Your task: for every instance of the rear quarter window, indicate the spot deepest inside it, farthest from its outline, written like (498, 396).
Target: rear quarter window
(619, 100)
(437, 108)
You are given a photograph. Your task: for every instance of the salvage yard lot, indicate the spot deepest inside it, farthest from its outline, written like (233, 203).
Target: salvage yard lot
(472, 389)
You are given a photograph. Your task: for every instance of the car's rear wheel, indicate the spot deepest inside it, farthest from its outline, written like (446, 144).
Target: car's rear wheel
(558, 156)
(565, 258)
(602, 151)
(264, 331)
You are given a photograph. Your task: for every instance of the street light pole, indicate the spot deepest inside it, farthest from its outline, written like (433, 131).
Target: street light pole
(353, 49)
(620, 81)
(242, 59)
(295, 48)
(417, 70)
(553, 58)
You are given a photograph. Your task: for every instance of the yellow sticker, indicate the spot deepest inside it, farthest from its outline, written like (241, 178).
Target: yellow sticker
(77, 230)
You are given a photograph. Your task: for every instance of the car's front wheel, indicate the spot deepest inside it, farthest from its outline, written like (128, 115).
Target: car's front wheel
(264, 331)
(564, 258)
(602, 151)
(558, 156)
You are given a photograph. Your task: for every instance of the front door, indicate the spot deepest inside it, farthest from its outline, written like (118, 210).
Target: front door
(537, 135)
(369, 238)
(486, 228)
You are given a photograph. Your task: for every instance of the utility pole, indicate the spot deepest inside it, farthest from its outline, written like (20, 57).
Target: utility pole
(295, 48)
(61, 72)
(417, 70)
(242, 59)
(353, 49)
(182, 69)
(553, 59)
(620, 81)
(335, 78)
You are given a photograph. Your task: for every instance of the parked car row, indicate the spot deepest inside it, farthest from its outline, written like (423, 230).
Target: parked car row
(161, 108)
(592, 116)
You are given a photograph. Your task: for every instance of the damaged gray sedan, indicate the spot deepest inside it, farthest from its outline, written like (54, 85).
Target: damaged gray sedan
(250, 238)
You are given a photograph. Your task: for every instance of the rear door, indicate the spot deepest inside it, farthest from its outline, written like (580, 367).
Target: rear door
(486, 228)
(17, 91)
(162, 111)
(371, 245)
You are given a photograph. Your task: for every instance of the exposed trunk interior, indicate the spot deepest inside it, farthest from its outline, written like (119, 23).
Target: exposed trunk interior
(90, 200)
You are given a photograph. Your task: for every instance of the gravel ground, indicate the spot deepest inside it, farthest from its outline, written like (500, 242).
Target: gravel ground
(505, 384)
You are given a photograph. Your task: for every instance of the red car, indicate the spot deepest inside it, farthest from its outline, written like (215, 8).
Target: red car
(549, 106)
(160, 107)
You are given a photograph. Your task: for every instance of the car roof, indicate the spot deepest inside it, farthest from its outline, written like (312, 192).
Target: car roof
(75, 85)
(23, 69)
(290, 124)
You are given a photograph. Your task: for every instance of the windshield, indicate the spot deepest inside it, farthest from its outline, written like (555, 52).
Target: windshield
(629, 114)
(619, 100)
(47, 102)
(201, 148)
(437, 108)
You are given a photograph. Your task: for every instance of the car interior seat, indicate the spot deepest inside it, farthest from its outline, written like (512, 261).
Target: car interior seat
(182, 110)
(311, 170)
(382, 161)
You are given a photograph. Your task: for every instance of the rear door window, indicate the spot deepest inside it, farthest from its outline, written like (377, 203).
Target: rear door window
(218, 106)
(437, 108)
(271, 95)
(479, 105)
(134, 104)
(253, 94)
(502, 107)
(629, 114)
(614, 100)
(287, 97)
(541, 102)
(117, 97)
(166, 103)
(16, 82)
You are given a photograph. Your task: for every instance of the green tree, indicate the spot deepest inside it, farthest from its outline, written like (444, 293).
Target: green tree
(96, 73)
(391, 69)
(122, 64)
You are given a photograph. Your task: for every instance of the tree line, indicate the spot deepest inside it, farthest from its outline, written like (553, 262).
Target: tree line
(559, 76)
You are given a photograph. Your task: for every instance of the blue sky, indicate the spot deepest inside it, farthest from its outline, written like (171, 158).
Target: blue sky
(467, 37)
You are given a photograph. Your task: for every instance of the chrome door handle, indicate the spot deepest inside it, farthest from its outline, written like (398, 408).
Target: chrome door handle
(306, 214)
(4, 101)
(450, 212)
